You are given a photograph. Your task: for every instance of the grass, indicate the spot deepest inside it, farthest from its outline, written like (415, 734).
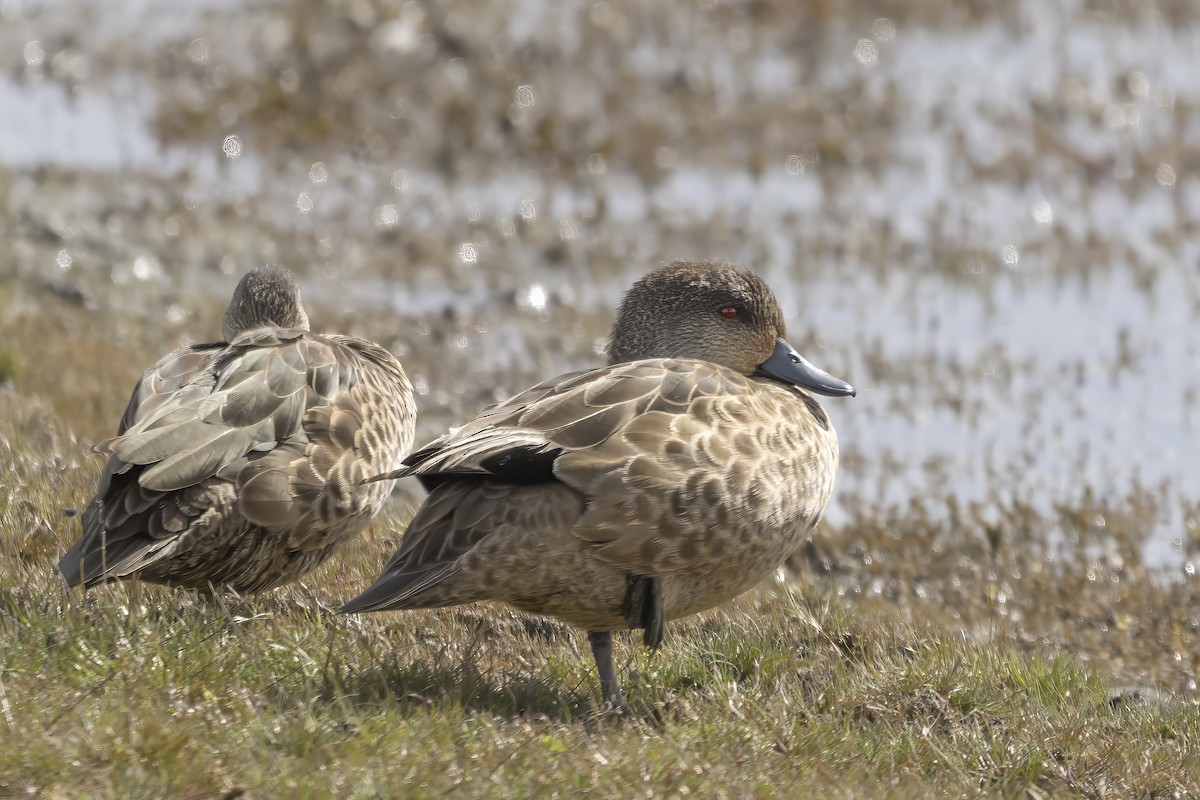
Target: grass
(923, 650)
(808, 687)
(128, 696)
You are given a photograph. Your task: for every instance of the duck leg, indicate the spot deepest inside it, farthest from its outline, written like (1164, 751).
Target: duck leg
(644, 608)
(601, 642)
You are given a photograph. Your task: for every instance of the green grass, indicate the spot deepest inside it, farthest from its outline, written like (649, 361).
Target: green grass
(142, 692)
(10, 366)
(820, 685)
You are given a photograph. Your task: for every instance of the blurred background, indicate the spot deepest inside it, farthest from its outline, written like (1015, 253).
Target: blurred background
(982, 214)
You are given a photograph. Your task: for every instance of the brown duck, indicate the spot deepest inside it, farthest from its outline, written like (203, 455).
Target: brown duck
(667, 483)
(239, 464)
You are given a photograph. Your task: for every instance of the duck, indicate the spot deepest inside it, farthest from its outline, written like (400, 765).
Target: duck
(668, 482)
(239, 465)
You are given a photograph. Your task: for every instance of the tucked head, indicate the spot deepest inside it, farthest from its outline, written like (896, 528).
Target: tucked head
(264, 296)
(712, 311)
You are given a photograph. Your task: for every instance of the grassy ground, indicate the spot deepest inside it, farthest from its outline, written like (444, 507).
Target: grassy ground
(930, 649)
(912, 653)
(158, 697)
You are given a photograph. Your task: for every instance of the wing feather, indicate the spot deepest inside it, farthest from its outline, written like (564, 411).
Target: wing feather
(632, 434)
(278, 426)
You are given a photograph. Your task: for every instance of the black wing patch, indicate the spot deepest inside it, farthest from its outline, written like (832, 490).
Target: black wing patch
(523, 465)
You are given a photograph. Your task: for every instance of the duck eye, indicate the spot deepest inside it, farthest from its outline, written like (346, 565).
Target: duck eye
(729, 312)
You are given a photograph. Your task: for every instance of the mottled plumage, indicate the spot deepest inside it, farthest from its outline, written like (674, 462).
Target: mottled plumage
(664, 484)
(240, 464)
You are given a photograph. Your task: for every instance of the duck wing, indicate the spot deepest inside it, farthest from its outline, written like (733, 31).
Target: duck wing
(651, 448)
(280, 425)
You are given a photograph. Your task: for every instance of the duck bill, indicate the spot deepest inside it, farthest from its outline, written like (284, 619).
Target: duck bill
(786, 365)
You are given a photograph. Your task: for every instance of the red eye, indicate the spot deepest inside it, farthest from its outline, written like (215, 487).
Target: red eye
(729, 312)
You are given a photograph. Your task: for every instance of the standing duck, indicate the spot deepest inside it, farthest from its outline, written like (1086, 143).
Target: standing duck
(239, 465)
(667, 483)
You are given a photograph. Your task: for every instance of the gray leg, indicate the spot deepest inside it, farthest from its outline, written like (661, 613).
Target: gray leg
(601, 642)
(643, 608)
(654, 615)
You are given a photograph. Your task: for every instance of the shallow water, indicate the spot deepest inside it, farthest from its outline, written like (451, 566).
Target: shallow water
(986, 223)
